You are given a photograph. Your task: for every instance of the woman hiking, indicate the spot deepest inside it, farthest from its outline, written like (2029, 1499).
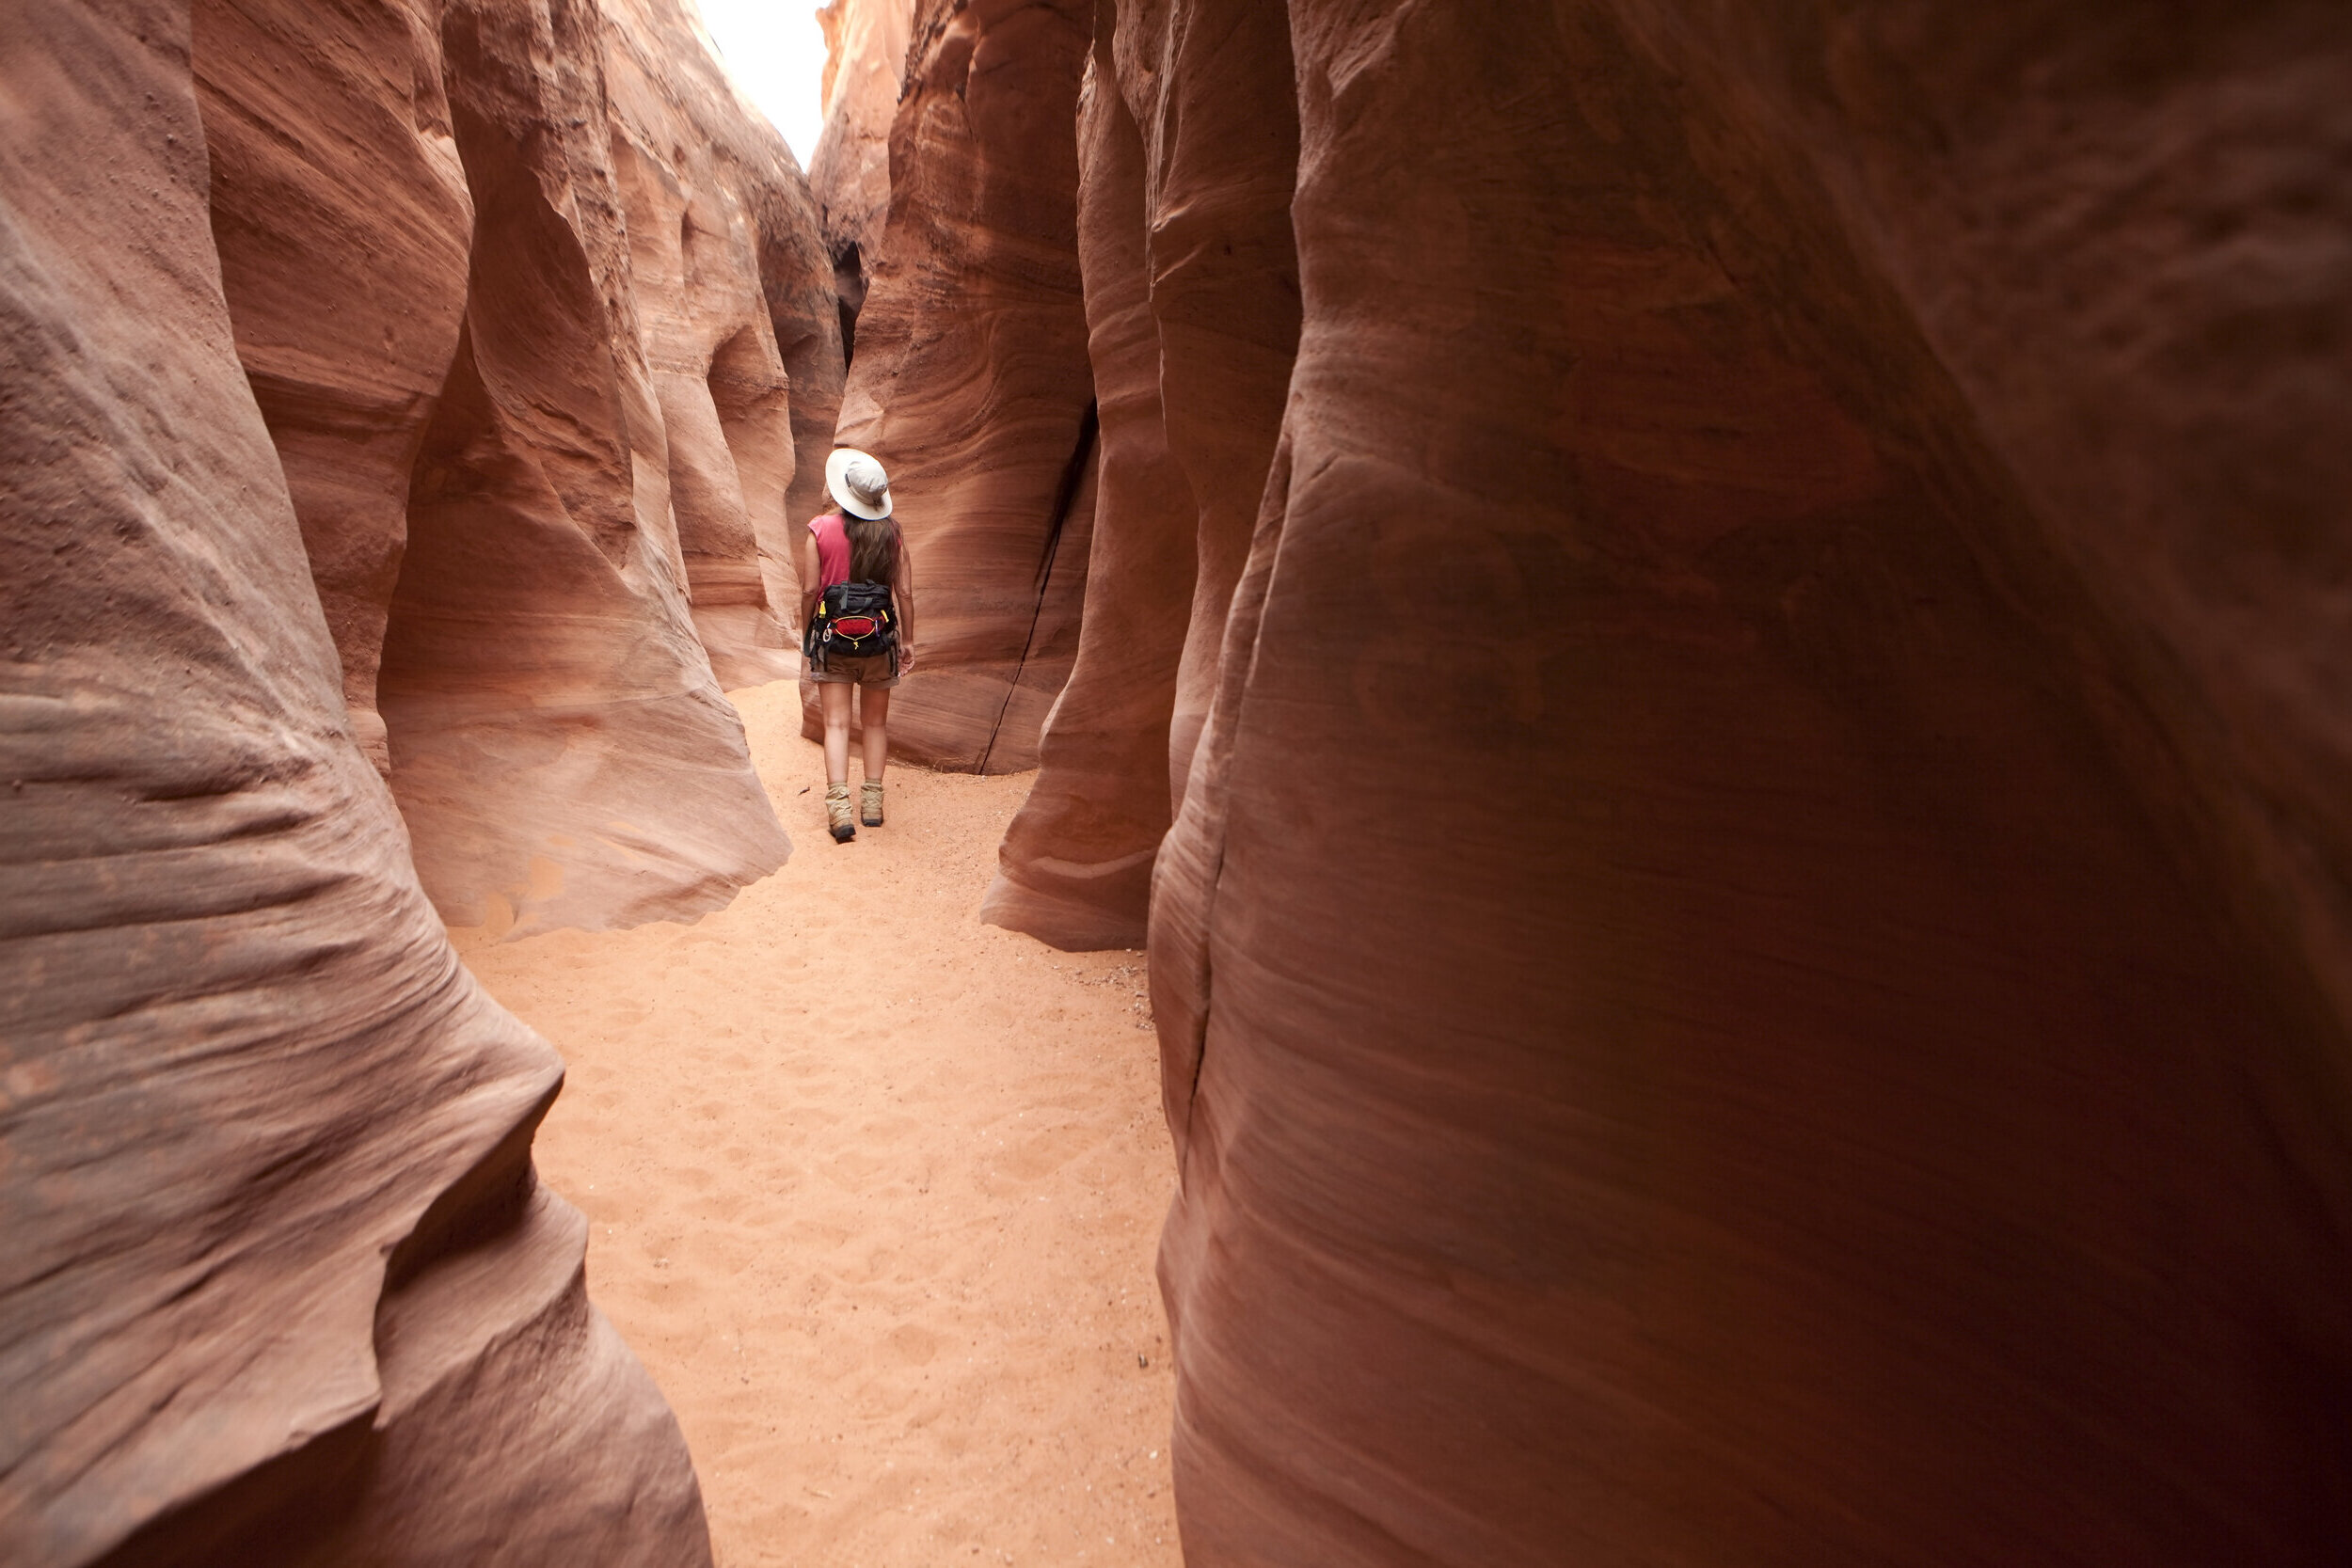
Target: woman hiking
(858, 606)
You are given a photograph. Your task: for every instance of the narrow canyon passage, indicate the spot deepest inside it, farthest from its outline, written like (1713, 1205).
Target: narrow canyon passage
(874, 1191)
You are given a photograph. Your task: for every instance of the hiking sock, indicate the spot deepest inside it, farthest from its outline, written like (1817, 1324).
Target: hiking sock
(837, 819)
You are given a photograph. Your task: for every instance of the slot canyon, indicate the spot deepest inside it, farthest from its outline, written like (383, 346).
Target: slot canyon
(1625, 833)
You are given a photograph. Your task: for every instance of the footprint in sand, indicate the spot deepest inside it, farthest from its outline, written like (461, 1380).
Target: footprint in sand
(824, 1236)
(1045, 1152)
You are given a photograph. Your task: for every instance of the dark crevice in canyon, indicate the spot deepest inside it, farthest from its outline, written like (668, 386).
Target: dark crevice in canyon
(1081, 457)
(848, 276)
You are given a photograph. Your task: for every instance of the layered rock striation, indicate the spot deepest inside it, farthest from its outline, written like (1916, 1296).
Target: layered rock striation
(1075, 865)
(1731, 977)
(750, 296)
(710, 348)
(970, 381)
(1710, 631)
(849, 174)
(558, 743)
(279, 1284)
(343, 223)
(539, 318)
(1192, 287)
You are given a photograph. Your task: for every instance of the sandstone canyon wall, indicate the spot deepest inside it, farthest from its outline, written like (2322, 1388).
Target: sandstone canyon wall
(343, 223)
(541, 323)
(1075, 866)
(279, 1284)
(749, 235)
(849, 174)
(1191, 153)
(1751, 961)
(970, 380)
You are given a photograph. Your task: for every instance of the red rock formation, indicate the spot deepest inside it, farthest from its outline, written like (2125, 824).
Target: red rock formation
(343, 222)
(1761, 1038)
(866, 56)
(279, 1284)
(560, 749)
(970, 378)
(2149, 327)
(795, 275)
(686, 159)
(1211, 86)
(1210, 80)
(566, 759)
(1075, 866)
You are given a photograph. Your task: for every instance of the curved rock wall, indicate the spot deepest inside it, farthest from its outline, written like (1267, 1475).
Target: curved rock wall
(1206, 88)
(2148, 324)
(1075, 866)
(280, 1283)
(1210, 80)
(799, 295)
(725, 401)
(701, 183)
(343, 221)
(849, 174)
(539, 317)
(560, 749)
(1731, 977)
(970, 380)
(795, 275)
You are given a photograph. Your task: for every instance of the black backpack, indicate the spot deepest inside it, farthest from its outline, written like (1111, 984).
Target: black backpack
(852, 619)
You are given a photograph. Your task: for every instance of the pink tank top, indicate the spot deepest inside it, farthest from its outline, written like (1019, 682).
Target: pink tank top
(833, 549)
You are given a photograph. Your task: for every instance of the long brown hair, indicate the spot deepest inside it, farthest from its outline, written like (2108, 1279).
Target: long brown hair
(873, 547)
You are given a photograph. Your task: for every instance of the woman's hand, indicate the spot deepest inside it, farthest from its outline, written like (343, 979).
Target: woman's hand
(906, 658)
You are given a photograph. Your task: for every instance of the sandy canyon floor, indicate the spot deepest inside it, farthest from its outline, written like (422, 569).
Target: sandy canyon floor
(875, 1190)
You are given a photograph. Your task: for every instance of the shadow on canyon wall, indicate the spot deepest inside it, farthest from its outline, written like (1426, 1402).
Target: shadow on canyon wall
(1736, 611)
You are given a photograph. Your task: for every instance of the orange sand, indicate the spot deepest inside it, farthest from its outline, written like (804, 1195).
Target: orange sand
(874, 1191)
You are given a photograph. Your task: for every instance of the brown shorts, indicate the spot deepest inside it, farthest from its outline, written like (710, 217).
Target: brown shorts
(874, 671)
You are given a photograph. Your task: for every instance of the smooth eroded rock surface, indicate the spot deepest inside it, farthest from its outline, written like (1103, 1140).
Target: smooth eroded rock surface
(692, 167)
(669, 370)
(849, 174)
(1730, 983)
(279, 1284)
(1205, 252)
(1210, 83)
(970, 380)
(1075, 866)
(343, 222)
(2135, 265)
(560, 749)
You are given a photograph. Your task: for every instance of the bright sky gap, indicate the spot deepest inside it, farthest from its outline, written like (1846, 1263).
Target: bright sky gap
(776, 53)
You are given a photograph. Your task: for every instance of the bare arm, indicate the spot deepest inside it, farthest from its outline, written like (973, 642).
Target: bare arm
(810, 586)
(903, 589)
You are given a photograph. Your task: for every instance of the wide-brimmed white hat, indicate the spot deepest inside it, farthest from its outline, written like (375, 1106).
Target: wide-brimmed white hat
(858, 483)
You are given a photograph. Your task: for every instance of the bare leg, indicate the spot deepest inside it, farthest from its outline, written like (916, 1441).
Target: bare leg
(874, 709)
(832, 698)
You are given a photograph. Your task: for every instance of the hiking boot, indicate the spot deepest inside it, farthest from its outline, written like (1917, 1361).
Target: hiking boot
(869, 803)
(837, 813)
